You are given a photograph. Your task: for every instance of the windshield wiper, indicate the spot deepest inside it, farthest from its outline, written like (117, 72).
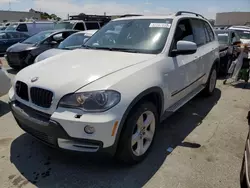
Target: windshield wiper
(111, 49)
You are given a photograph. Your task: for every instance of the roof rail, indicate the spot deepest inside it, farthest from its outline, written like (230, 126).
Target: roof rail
(187, 12)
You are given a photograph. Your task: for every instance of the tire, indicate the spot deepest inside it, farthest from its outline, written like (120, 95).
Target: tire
(211, 83)
(128, 152)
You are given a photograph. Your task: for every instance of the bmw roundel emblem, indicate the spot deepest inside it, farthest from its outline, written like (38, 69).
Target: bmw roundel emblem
(34, 79)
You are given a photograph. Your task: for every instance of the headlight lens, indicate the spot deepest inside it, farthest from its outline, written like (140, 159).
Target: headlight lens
(94, 101)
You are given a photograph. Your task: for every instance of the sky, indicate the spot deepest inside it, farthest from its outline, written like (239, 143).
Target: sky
(208, 8)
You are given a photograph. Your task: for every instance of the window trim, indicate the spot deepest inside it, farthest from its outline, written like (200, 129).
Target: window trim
(172, 42)
(208, 25)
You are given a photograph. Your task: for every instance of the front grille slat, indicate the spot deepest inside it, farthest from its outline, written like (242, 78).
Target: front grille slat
(41, 97)
(22, 90)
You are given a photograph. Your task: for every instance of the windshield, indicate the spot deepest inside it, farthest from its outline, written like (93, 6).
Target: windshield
(243, 34)
(64, 25)
(12, 27)
(38, 37)
(74, 41)
(222, 37)
(137, 35)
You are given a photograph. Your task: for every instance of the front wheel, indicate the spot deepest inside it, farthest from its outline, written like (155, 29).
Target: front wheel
(211, 83)
(138, 134)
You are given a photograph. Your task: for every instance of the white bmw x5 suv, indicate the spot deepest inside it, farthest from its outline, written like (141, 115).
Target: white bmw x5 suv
(112, 94)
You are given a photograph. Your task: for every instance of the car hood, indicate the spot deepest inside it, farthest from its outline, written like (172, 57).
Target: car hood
(18, 47)
(223, 47)
(68, 72)
(49, 53)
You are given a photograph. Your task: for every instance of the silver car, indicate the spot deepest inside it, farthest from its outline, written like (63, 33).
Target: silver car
(74, 41)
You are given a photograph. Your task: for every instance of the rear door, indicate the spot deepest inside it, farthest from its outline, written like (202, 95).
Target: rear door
(205, 48)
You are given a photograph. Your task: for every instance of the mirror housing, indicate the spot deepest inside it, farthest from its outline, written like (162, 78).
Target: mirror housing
(184, 48)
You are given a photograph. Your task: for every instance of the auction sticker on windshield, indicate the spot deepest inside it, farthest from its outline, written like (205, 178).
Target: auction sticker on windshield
(223, 34)
(161, 25)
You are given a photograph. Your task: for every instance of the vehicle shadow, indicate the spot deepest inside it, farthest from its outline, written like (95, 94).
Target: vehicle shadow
(4, 108)
(46, 167)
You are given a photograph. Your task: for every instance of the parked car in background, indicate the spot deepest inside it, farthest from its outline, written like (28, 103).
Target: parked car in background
(2, 28)
(31, 28)
(243, 32)
(111, 95)
(24, 53)
(78, 25)
(228, 50)
(8, 38)
(74, 41)
(5, 81)
(245, 168)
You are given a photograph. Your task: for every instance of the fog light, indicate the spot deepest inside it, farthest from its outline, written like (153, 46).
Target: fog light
(89, 129)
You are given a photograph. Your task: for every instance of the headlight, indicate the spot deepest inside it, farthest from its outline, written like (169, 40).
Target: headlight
(94, 101)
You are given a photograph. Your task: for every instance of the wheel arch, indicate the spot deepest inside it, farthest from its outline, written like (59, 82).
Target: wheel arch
(153, 94)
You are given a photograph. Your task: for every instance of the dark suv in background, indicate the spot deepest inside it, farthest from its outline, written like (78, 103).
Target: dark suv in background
(228, 50)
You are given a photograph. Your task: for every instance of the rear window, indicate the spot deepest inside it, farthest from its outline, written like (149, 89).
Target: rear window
(92, 25)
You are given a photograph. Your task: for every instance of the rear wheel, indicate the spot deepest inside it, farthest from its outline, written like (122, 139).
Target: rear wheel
(138, 134)
(211, 83)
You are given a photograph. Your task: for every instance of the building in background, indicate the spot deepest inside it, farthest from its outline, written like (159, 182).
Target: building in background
(232, 18)
(16, 16)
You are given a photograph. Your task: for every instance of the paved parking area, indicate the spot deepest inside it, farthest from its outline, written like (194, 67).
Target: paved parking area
(207, 137)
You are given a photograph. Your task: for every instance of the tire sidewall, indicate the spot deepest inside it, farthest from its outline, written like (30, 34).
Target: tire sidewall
(209, 80)
(127, 132)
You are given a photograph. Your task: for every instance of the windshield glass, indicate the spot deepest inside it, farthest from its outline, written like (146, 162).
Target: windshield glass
(74, 41)
(222, 37)
(12, 27)
(243, 34)
(64, 25)
(38, 37)
(137, 35)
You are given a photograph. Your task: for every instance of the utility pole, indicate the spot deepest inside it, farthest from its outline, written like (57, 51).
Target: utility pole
(9, 5)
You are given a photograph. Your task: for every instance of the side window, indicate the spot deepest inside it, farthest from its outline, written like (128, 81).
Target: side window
(79, 26)
(206, 32)
(22, 28)
(14, 35)
(210, 31)
(199, 32)
(22, 35)
(92, 25)
(183, 32)
(3, 36)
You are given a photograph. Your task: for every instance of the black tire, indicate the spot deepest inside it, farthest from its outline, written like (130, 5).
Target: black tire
(124, 152)
(207, 91)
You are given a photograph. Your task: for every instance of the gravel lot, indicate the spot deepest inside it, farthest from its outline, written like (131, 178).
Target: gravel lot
(207, 135)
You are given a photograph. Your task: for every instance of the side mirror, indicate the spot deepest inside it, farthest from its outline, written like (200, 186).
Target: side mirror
(184, 48)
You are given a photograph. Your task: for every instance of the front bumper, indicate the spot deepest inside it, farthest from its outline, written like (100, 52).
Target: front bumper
(46, 129)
